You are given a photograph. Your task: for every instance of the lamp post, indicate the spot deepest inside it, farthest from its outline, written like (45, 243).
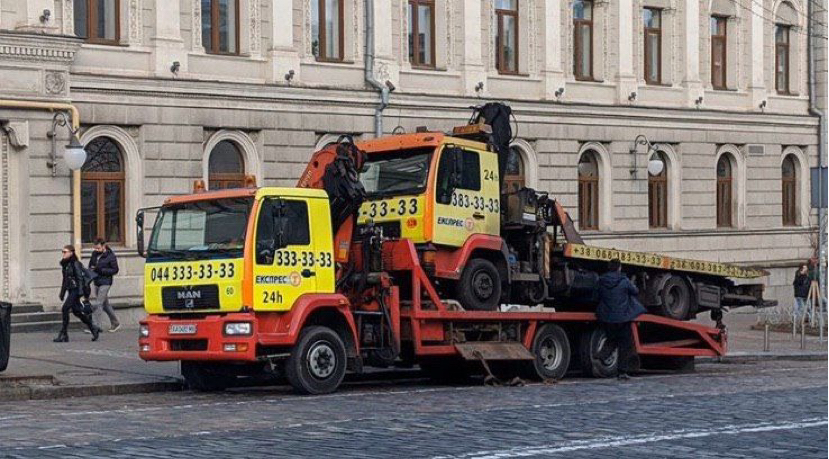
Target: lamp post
(655, 166)
(73, 154)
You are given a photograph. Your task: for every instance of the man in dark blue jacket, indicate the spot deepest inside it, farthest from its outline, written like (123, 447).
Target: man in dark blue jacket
(104, 264)
(617, 308)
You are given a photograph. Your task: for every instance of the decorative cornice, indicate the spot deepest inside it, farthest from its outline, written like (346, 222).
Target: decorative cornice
(39, 48)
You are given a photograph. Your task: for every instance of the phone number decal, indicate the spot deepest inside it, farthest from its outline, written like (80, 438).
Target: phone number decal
(223, 270)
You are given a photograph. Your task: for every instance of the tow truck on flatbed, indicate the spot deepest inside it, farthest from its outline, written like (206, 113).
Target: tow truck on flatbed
(400, 251)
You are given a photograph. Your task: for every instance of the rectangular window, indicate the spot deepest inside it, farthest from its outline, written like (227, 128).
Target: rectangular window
(719, 40)
(327, 30)
(421, 33)
(98, 21)
(588, 203)
(653, 45)
(781, 58)
(506, 36)
(583, 39)
(282, 222)
(220, 26)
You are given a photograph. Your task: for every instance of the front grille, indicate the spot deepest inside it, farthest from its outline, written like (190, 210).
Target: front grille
(190, 298)
(188, 345)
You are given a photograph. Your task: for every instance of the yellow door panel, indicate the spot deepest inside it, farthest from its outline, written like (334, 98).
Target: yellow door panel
(293, 256)
(467, 199)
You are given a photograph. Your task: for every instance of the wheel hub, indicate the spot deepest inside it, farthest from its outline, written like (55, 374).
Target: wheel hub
(321, 360)
(482, 285)
(550, 354)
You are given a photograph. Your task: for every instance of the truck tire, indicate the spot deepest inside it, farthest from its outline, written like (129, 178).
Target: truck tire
(205, 377)
(675, 299)
(551, 350)
(479, 288)
(592, 366)
(317, 362)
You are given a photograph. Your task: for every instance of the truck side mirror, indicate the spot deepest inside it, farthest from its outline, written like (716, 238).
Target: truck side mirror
(279, 224)
(450, 173)
(139, 236)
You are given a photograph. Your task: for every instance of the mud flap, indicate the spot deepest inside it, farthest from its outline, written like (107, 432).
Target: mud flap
(498, 351)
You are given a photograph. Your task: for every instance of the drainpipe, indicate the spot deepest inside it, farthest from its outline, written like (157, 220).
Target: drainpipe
(821, 138)
(76, 175)
(376, 84)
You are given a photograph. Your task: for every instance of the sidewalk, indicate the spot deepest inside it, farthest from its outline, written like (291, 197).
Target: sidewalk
(745, 342)
(40, 369)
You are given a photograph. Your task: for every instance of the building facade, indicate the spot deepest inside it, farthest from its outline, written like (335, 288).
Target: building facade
(173, 91)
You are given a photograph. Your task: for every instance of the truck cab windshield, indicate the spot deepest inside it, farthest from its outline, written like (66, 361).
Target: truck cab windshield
(396, 173)
(200, 229)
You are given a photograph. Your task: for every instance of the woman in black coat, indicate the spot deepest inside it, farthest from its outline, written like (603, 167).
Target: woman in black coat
(72, 289)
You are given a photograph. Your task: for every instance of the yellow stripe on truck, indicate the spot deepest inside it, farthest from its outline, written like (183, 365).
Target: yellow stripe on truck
(652, 260)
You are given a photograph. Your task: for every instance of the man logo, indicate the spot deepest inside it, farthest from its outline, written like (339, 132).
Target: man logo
(189, 303)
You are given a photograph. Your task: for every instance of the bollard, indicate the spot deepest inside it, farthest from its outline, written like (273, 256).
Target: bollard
(803, 334)
(766, 337)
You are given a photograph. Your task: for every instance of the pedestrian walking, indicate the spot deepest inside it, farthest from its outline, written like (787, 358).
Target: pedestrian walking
(802, 283)
(617, 308)
(73, 288)
(104, 264)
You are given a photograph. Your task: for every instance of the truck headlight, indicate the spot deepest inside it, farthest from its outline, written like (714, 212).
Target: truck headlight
(144, 331)
(238, 328)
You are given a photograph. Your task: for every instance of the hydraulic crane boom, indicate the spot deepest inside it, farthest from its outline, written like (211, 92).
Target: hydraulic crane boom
(336, 169)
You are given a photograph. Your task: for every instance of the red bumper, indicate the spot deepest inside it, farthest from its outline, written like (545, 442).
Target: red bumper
(207, 342)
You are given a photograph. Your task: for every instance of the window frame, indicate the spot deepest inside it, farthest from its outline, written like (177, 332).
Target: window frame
(101, 179)
(323, 34)
(224, 179)
(578, 46)
(658, 196)
(721, 40)
(658, 32)
(725, 195)
(214, 30)
(499, 48)
(414, 28)
(588, 203)
(92, 19)
(789, 192)
(787, 71)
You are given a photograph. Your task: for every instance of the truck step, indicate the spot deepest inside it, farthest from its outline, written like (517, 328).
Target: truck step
(494, 350)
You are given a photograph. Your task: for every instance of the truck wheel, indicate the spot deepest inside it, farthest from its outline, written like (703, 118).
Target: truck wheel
(675, 298)
(479, 288)
(205, 377)
(590, 343)
(317, 362)
(551, 349)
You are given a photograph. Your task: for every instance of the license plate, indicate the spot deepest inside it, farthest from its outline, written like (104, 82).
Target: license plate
(182, 329)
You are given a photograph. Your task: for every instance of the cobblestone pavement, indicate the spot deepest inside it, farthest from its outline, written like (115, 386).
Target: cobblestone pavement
(753, 410)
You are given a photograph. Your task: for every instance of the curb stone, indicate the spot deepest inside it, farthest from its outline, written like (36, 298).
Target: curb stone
(46, 392)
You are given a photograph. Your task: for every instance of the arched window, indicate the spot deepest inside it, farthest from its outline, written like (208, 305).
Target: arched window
(725, 198)
(789, 176)
(102, 192)
(588, 191)
(514, 178)
(658, 191)
(226, 168)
